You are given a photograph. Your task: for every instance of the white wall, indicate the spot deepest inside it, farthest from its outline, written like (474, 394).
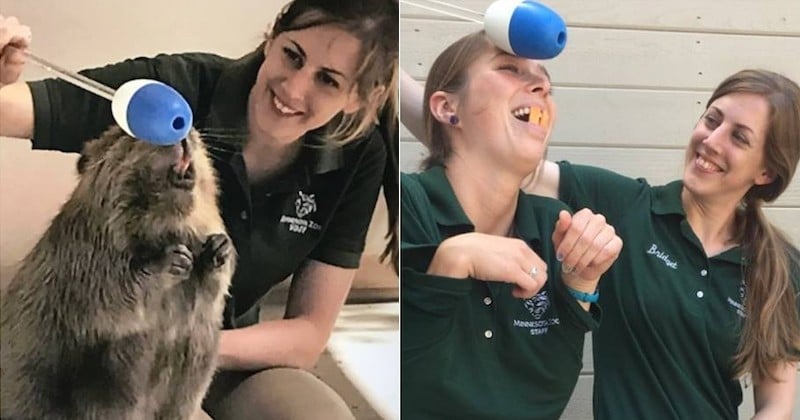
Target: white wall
(630, 84)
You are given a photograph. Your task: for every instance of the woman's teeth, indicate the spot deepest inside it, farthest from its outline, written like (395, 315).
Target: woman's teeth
(282, 107)
(522, 113)
(533, 115)
(706, 165)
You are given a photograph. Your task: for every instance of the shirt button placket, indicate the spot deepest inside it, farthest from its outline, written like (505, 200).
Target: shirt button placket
(703, 273)
(487, 301)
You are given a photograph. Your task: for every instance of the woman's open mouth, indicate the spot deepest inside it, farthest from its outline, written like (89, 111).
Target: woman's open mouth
(532, 115)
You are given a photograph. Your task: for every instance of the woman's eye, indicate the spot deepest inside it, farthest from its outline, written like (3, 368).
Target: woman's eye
(547, 90)
(510, 68)
(710, 120)
(328, 80)
(741, 138)
(294, 57)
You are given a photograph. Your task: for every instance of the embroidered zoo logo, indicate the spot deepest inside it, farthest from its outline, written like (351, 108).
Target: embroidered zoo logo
(538, 305)
(304, 205)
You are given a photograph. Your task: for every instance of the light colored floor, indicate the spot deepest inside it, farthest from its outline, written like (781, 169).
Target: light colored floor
(362, 361)
(366, 346)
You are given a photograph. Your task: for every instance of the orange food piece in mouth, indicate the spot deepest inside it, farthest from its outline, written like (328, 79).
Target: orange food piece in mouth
(539, 117)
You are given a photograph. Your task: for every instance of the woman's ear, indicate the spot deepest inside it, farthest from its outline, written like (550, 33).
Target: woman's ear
(443, 106)
(354, 103)
(764, 178)
(376, 98)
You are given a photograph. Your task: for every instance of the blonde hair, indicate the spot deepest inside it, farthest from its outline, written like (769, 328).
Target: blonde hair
(375, 24)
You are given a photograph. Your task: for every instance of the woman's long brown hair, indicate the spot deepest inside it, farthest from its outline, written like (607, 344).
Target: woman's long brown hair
(771, 331)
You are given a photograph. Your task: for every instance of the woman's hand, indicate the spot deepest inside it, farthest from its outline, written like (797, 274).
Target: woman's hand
(14, 39)
(16, 102)
(491, 258)
(587, 246)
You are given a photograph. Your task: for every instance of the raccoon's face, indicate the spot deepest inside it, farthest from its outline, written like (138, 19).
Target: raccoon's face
(133, 175)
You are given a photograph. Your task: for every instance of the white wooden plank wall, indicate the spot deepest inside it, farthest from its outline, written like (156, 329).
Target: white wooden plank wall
(630, 85)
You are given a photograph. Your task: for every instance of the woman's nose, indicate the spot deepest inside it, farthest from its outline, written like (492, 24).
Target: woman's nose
(298, 84)
(539, 86)
(715, 138)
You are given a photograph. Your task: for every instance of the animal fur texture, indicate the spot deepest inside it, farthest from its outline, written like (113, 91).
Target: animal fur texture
(116, 312)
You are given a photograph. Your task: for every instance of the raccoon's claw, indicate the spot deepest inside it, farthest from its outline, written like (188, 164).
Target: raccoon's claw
(217, 250)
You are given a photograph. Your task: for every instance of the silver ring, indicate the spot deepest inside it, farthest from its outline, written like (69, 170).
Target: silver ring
(567, 269)
(534, 271)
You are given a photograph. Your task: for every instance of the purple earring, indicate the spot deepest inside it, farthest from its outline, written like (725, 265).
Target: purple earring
(453, 119)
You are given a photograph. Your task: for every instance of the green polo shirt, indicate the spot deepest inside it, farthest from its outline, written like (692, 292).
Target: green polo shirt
(671, 315)
(318, 208)
(470, 350)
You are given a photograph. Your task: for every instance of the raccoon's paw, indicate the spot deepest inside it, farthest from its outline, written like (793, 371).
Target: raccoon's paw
(217, 251)
(174, 260)
(179, 260)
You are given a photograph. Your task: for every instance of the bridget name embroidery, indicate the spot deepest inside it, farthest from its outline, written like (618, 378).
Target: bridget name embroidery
(662, 256)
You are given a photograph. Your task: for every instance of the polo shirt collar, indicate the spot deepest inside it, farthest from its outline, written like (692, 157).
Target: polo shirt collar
(666, 199)
(228, 112)
(449, 214)
(525, 219)
(445, 206)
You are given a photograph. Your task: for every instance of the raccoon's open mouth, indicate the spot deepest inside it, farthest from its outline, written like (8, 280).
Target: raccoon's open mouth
(183, 180)
(182, 174)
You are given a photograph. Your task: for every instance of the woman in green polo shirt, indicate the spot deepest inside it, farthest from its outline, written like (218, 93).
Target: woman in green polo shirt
(705, 291)
(492, 327)
(294, 121)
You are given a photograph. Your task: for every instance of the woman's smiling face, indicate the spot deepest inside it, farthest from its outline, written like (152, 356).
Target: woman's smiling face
(308, 77)
(506, 108)
(726, 151)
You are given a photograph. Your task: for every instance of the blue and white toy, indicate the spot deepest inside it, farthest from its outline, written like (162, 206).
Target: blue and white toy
(525, 28)
(152, 111)
(521, 27)
(146, 109)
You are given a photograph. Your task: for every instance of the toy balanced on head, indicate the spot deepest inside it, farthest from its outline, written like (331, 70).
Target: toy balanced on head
(525, 28)
(146, 109)
(521, 27)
